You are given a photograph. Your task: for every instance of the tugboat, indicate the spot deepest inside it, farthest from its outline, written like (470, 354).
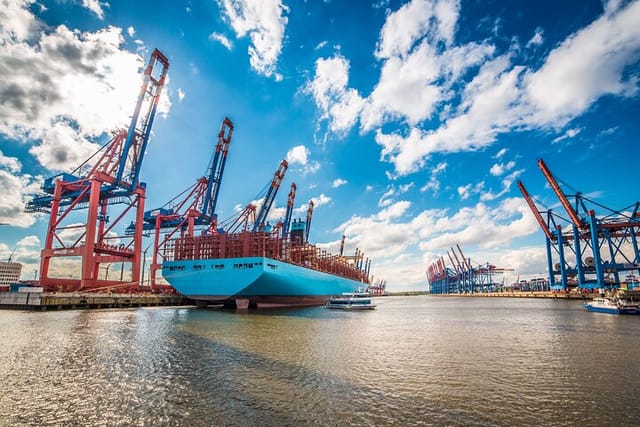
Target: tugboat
(616, 303)
(351, 301)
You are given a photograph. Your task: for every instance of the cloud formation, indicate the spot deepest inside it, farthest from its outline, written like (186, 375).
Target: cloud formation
(486, 93)
(264, 21)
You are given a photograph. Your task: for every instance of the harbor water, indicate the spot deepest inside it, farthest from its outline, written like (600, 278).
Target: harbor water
(417, 360)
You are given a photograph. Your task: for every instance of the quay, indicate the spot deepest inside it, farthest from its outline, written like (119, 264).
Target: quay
(43, 301)
(526, 294)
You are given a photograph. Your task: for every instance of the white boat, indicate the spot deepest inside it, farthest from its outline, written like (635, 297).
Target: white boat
(351, 301)
(615, 304)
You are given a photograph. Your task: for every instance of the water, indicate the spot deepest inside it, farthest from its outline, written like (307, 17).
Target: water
(413, 361)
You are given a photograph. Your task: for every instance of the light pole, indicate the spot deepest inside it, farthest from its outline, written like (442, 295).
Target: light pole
(144, 261)
(106, 274)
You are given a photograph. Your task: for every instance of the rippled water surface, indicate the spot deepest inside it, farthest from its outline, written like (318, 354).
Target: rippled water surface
(413, 361)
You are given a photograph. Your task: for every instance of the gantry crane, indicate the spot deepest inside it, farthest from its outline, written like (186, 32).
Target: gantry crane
(259, 224)
(196, 209)
(604, 246)
(113, 179)
(462, 276)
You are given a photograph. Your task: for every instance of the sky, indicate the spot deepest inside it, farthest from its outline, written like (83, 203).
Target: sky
(407, 123)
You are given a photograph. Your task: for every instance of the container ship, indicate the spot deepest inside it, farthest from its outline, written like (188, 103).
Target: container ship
(259, 269)
(247, 263)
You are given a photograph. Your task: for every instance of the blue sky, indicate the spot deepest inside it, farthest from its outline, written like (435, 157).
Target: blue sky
(407, 123)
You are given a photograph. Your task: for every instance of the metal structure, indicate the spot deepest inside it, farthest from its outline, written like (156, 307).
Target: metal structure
(462, 277)
(586, 250)
(287, 216)
(259, 224)
(181, 215)
(308, 226)
(113, 179)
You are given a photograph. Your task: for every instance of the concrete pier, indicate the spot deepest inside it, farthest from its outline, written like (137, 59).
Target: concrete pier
(43, 301)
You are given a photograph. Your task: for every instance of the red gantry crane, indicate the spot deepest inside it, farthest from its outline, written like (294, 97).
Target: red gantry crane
(112, 180)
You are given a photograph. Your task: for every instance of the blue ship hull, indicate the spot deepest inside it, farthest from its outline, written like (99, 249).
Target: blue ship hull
(254, 281)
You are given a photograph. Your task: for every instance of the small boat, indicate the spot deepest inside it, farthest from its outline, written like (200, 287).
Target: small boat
(620, 303)
(351, 301)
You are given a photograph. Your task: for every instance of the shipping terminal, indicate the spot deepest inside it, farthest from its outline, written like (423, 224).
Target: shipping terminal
(241, 262)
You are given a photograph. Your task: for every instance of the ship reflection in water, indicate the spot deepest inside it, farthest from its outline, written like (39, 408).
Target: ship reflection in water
(429, 360)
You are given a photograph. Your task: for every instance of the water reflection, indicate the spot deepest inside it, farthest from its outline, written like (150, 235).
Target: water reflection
(414, 360)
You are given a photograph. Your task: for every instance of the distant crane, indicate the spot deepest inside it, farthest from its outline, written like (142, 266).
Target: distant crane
(113, 179)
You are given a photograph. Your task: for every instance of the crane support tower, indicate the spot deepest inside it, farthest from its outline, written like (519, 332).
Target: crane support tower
(588, 250)
(113, 179)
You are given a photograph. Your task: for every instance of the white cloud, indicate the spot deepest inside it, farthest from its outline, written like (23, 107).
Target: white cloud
(18, 24)
(62, 149)
(264, 22)
(311, 167)
(500, 168)
(338, 182)
(84, 77)
(320, 200)
(537, 38)
(131, 31)
(466, 191)
(10, 164)
(387, 198)
(586, 66)
(14, 187)
(95, 6)
(391, 237)
(404, 27)
(501, 153)
(181, 94)
(434, 183)
(339, 106)
(298, 154)
(570, 133)
(369, 188)
(220, 38)
(507, 181)
(419, 76)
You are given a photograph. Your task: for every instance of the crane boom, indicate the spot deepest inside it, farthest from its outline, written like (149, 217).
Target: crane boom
(561, 196)
(535, 211)
(287, 217)
(271, 195)
(308, 225)
(217, 168)
(152, 86)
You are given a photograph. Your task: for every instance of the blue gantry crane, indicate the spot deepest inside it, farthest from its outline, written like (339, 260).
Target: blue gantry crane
(587, 250)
